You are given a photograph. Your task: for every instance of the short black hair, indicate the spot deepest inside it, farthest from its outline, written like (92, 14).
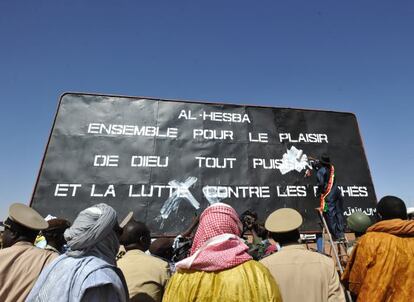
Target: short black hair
(391, 207)
(134, 231)
(286, 237)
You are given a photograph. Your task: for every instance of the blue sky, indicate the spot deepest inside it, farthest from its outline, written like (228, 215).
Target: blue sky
(354, 56)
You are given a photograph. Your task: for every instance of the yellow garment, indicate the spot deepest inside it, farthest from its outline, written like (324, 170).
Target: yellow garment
(247, 282)
(20, 266)
(381, 267)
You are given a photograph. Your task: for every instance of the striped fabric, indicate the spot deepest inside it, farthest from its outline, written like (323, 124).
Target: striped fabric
(323, 207)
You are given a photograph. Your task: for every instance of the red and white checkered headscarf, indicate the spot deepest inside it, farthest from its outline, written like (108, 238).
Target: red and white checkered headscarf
(217, 244)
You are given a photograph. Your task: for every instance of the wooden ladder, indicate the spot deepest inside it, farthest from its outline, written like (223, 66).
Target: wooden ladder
(335, 246)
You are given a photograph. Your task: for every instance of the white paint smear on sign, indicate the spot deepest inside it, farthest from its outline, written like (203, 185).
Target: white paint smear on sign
(294, 159)
(211, 194)
(181, 192)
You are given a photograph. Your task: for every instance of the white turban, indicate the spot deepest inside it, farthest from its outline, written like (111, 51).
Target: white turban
(92, 233)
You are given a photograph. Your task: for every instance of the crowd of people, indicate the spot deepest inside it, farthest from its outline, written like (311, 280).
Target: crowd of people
(222, 256)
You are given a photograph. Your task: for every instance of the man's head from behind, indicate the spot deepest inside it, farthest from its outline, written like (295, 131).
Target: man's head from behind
(94, 232)
(162, 247)
(391, 207)
(22, 224)
(283, 225)
(217, 219)
(136, 235)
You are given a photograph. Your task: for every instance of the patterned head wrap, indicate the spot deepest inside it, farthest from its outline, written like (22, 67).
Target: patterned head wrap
(217, 244)
(218, 219)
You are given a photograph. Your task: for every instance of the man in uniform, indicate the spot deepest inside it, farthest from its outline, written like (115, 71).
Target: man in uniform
(21, 262)
(302, 275)
(146, 276)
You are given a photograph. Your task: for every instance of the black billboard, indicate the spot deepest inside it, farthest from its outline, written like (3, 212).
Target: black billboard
(167, 160)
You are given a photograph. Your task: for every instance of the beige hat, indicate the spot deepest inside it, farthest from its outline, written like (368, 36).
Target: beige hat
(27, 217)
(283, 220)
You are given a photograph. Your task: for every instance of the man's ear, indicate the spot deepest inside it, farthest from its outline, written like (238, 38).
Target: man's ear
(14, 234)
